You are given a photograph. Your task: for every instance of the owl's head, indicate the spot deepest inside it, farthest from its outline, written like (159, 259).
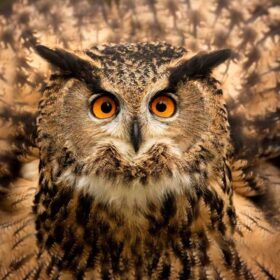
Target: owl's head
(129, 123)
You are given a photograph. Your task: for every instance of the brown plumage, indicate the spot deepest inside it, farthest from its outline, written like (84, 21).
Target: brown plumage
(195, 196)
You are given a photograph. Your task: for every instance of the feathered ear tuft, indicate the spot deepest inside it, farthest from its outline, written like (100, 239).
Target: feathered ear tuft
(199, 65)
(66, 61)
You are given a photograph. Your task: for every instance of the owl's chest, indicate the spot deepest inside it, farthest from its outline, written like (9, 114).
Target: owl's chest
(82, 238)
(164, 256)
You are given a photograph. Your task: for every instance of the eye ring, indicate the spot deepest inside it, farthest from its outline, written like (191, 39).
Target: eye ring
(104, 107)
(163, 106)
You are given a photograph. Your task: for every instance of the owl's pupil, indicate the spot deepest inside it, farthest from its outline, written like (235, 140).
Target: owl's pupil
(161, 106)
(106, 107)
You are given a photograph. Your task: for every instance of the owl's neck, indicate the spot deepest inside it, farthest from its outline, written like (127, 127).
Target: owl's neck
(72, 224)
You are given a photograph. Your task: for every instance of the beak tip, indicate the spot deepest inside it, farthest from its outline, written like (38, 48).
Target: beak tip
(135, 135)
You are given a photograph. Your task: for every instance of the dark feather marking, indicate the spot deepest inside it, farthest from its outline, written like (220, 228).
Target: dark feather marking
(202, 246)
(168, 208)
(154, 256)
(232, 216)
(71, 254)
(83, 209)
(165, 272)
(105, 274)
(115, 253)
(25, 224)
(7, 275)
(80, 275)
(9, 224)
(54, 261)
(23, 198)
(16, 264)
(37, 273)
(246, 226)
(154, 224)
(218, 273)
(185, 260)
(28, 275)
(228, 257)
(22, 239)
(266, 272)
(138, 267)
(50, 241)
(92, 255)
(256, 223)
(66, 159)
(58, 233)
(185, 238)
(243, 270)
(185, 274)
(62, 199)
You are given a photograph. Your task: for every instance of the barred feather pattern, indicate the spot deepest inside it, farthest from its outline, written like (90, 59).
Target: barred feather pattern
(250, 81)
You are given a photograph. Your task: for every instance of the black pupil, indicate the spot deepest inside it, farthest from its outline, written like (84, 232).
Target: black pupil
(161, 106)
(106, 107)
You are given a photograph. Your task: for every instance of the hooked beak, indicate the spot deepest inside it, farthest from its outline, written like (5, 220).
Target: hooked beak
(135, 135)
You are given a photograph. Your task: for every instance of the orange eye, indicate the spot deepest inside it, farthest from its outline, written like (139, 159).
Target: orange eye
(163, 106)
(104, 107)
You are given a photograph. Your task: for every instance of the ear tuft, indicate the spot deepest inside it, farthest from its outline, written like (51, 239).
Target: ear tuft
(66, 61)
(199, 65)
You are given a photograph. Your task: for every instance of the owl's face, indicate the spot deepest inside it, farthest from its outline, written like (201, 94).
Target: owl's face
(132, 117)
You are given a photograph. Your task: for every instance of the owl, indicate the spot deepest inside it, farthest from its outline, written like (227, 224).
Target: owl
(135, 173)
(138, 158)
